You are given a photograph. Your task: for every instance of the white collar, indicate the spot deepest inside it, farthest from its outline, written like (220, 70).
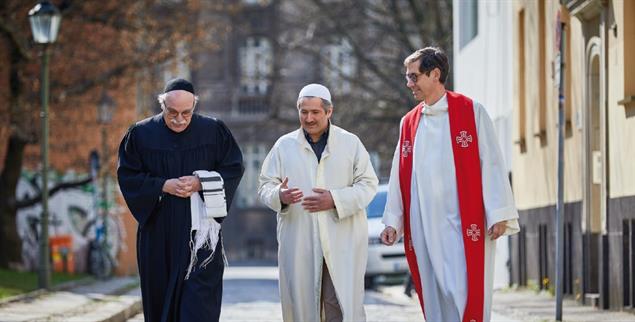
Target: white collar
(440, 107)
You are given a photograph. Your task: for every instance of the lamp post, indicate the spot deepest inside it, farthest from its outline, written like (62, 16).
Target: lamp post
(45, 21)
(105, 110)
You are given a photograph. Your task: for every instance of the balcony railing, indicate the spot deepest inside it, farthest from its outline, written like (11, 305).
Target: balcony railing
(228, 104)
(253, 106)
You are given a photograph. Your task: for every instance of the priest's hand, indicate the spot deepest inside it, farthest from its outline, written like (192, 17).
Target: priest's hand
(388, 236)
(289, 196)
(497, 230)
(320, 201)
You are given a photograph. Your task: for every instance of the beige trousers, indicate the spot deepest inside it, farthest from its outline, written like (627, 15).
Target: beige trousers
(331, 311)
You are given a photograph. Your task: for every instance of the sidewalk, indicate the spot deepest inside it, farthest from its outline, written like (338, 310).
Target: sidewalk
(529, 306)
(526, 305)
(119, 299)
(412, 304)
(100, 301)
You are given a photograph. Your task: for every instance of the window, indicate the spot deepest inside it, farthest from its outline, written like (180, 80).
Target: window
(253, 155)
(177, 67)
(468, 15)
(628, 30)
(339, 67)
(521, 83)
(255, 66)
(376, 207)
(375, 160)
(256, 2)
(541, 130)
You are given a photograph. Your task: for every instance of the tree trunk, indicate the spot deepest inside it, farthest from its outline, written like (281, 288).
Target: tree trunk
(10, 242)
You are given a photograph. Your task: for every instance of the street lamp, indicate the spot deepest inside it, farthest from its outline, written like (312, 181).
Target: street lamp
(45, 21)
(105, 111)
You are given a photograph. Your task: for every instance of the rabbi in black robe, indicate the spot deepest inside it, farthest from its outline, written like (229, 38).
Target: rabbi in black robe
(157, 158)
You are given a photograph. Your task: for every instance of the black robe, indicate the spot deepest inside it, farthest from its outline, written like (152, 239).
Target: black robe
(149, 154)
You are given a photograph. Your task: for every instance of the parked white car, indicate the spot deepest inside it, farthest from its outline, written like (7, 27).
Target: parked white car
(383, 261)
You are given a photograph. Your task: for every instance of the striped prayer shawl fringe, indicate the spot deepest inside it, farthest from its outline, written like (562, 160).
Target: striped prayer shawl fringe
(205, 232)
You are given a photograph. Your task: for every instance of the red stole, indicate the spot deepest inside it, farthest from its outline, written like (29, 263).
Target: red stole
(470, 194)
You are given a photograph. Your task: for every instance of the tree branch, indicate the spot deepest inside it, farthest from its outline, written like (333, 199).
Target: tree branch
(7, 29)
(401, 25)
(359, 52)
(417, 13)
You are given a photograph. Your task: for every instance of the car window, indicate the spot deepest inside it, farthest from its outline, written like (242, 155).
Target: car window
(376, 207)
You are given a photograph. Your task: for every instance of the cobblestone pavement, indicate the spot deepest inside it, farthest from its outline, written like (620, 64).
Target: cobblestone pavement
(530, 306)
(251, 294)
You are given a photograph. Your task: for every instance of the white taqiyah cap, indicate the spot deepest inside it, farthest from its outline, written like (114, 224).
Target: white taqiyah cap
(315, 90)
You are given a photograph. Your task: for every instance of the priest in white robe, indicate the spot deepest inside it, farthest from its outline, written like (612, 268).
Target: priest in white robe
(319, 180)
(449, 195)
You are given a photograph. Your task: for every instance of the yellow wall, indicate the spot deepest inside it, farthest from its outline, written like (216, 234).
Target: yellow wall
(622, 119)
(535, 169)
(532, 174)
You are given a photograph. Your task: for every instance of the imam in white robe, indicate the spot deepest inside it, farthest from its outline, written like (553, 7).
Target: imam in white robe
(338, 236)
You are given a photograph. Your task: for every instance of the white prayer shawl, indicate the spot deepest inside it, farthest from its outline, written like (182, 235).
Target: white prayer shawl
(435, 218)
(338, 236)
(204, 227)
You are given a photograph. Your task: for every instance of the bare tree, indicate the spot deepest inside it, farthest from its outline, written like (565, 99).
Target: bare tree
(102, 44)
(379, 34)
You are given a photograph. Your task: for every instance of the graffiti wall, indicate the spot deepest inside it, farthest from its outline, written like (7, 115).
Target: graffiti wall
(76, 213)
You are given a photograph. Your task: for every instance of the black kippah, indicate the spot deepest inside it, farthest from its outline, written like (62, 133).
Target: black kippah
(178, 84)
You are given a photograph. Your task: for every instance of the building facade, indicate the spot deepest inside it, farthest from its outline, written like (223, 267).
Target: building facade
(599, 175)
(251, 82)
(482, 70)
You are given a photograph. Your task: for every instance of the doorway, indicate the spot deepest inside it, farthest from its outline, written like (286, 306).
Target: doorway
(594, 217)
